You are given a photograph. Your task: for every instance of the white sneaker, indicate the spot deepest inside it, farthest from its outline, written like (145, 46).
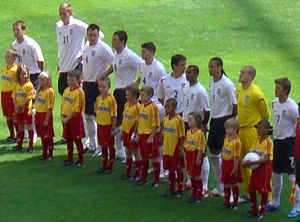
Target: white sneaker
(97, 153)
(35, 138)
(216, 192)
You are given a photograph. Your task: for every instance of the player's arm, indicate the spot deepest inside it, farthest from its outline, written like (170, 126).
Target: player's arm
(113, 125)
(263, 108)
(153, 133)
(41, 65)
(234, 110)
(108, 71)
(206, 118)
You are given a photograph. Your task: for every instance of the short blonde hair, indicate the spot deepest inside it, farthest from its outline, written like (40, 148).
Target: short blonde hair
(66, 6)
(233, 123)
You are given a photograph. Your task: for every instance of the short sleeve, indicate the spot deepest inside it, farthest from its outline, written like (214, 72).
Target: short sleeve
(155, 116)
(181, 128)
(51, 98)
(135, 60)
(160, 91)
(231, 93)
(113, 107)
(237, 149)
(201, 142)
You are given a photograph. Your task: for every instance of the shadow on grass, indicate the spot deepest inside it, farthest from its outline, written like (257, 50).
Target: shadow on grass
(271, 31)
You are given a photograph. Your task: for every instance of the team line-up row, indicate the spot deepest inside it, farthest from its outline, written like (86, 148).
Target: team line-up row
(178, 95)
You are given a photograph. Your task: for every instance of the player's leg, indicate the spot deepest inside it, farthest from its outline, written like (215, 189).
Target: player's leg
(227, 193)
(205, 174)
(128, 164)
(247, 136)
(120, 97)
(155, 161)
(112, 150)
(199, 188)
(215, 143)
(137, 164)
(236, 194)
(30, 137)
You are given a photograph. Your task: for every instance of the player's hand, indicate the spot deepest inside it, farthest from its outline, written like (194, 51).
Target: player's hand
(113, 132)
(64, 120)
(45, 123)
(198, 161)
(234, 173)
(246, 163)
(150, 140)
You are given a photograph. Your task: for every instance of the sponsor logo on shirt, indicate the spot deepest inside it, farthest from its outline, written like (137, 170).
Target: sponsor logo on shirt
(21, 94)
(71, 31)
(40, 100)
(7, 78)
(127, 116)
(103, 109)
(68, 99)
(191, 142)
(170, 130)
(182, 85)
(226, 151)
(144, 116)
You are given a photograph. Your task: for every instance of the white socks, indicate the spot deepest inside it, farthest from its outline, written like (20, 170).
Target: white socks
(119, 144)
(90, 124)
(216, 165)
(277, 183)
(205, 173)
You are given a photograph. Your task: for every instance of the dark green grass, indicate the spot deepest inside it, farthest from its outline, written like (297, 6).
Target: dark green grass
(263, 33)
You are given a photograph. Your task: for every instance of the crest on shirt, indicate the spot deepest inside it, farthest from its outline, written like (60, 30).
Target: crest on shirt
(219, 91)
(284, 113)
(182, 85)
(247, 99)
(23, 51)
(192, 96)
(120, 62)
(71, 31)
(93, 52)
(150, 74)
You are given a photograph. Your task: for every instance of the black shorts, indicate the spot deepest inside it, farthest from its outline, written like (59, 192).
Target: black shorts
(120, 97)
(91, 92)
(63, 77)
(34, 79)
(217, 133)
(283, 159)
(62, 82)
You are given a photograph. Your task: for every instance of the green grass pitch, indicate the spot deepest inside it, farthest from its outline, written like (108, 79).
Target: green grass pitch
(263, 33)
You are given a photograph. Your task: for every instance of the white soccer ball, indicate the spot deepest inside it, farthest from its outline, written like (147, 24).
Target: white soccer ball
(252, 156)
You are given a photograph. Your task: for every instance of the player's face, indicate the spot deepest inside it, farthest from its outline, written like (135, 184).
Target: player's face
(279, 92)
(42, 81)
(144, 97)
(213, 68)
(262, 130)
(24, 76)
(191, 121)
(93, 36)
(64, 15)
(115, 42)
(9, 58)
(146, 54)
(191, 76)
(170, 109)
(230, 131)
(73, 81)
(244, 76)
(129, 96)
(103, 87)
(180, 67)
(18, 31)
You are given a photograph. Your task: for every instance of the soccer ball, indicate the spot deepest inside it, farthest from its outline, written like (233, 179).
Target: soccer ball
(252, 156)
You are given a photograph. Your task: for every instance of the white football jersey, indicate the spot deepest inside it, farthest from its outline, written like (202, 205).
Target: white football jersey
(195, 98)
(70, 42)
(95, 59)
(285, 118)
(29, 53)
(151, 74)
(222, 97)
(170, 87)
(125, 65)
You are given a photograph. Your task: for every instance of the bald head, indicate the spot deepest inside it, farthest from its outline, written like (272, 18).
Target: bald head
(247, 75)
(250, 70)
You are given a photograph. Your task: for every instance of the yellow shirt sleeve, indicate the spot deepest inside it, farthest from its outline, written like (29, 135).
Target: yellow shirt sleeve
(155, 116)
(201, 142)
(113, 107)
(29, 91)
(263, 108)
(51, 99)
(181, 128)
(237, 149)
